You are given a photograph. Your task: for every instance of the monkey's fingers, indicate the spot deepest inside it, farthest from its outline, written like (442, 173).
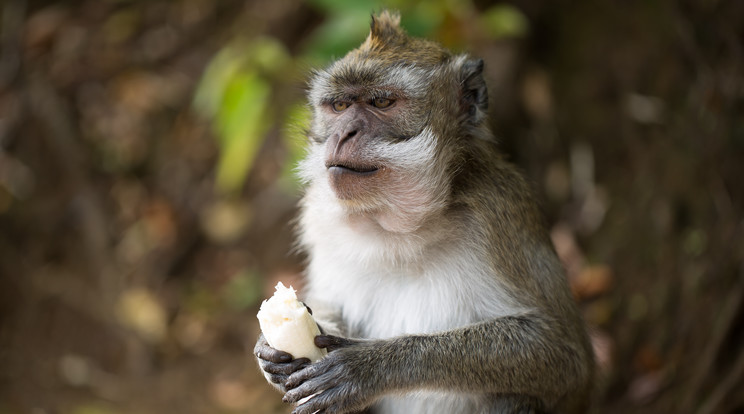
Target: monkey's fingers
(315, 389)
(273, 355)
(283, 368)
(262, 350)
(334, 400)
(277, 379)
(312, 407)
(299, 377)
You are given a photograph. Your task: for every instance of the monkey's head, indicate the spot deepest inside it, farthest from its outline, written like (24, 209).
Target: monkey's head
(392, 123)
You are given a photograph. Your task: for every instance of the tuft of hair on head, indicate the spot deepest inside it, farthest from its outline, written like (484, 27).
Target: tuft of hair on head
(385, 27)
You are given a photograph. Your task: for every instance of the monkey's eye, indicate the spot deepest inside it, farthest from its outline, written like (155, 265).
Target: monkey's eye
(382, 102)
(339, 106)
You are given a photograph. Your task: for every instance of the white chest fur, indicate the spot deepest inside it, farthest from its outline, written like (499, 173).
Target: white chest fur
(387, 285)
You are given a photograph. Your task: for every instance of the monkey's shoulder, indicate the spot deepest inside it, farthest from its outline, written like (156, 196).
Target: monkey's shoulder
(496, 195)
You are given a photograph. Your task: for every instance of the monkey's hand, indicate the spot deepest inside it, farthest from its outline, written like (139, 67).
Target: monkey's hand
(342, 382)
(276, 365)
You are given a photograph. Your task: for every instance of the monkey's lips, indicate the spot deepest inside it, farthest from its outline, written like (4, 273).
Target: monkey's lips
(351, 181)
(343, 168)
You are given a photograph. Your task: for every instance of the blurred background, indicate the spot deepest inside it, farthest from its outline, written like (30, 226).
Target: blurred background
(147, 193)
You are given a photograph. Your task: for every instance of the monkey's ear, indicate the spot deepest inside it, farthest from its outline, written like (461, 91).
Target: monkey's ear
(474, 94)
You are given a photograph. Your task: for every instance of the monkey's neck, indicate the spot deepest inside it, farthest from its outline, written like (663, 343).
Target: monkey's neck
(360, 238)
(397, 221)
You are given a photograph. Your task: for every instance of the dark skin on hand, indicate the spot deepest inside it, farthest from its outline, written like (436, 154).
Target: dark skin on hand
(291, 374)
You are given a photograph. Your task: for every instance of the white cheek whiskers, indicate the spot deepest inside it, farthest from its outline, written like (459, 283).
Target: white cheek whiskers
(419, 186)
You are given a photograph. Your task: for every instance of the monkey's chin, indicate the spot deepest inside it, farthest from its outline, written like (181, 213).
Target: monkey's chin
(354, 184)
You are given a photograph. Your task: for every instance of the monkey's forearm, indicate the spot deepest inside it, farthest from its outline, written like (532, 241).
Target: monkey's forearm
(515, 355)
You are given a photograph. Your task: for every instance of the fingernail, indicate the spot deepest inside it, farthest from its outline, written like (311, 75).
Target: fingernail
(285, 358)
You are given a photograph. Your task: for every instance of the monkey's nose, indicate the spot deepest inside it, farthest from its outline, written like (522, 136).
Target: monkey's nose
(345, 137)
(351, 129)
(348, 134)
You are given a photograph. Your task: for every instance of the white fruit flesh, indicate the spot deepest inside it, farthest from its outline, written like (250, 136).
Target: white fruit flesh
(288, 326)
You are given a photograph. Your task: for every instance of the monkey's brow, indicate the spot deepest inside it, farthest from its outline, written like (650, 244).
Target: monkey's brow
(344, 97)
(363, 94)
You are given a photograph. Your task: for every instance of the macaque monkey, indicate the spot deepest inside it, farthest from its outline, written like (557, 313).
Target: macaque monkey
(431, 273)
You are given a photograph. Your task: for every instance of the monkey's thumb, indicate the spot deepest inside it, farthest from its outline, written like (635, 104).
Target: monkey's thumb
(331, 342)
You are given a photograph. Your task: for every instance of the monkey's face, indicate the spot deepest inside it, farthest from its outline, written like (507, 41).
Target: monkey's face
(374, 144)
(360, 124)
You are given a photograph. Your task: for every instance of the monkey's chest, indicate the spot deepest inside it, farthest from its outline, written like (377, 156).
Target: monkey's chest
(406, 307)
(433, 290)
(386, 302)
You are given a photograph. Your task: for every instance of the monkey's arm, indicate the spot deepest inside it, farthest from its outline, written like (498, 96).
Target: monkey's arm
(517, 355)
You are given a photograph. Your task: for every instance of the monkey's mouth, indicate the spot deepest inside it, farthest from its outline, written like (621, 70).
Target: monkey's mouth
(338, 168)
(351, 180)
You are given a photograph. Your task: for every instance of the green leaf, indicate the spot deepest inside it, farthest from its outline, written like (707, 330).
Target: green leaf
(338, 35)
(295, 142)
(235, 93)
(209, 93)
(339, 7)
(242, 121)
(269, 55)
(424, 18)
(503, 20)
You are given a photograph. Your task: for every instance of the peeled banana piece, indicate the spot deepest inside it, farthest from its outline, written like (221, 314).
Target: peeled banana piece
(288, 326)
